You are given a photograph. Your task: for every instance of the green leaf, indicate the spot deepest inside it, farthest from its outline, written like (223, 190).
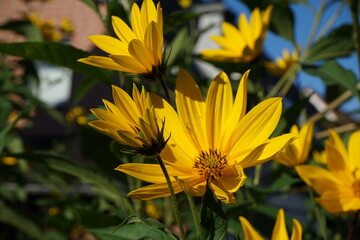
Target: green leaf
(213, 220)
(175, 19)
(24, 224)
(25, 28)
(58, 54)
(135, 227)
(332, 72)
(339, 43)
(282, 21)
(102, 184)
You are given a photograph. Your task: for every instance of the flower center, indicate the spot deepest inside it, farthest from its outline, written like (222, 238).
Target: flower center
(210, 164)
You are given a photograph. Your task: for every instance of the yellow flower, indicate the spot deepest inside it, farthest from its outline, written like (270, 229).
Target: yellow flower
(66, 26)
(185, 3)
(281, 65)
(10, 161)
(320, 157)
(130, 121)
(211, 141)
(77, 114)
(242, 44)
(298, 151)
(152, 210)
(339, 185)
(279, 231)
(138, 50)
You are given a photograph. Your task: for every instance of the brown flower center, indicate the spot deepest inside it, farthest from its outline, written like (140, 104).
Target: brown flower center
(210, 164)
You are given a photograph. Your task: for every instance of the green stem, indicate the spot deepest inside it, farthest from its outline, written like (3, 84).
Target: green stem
(174, 204)
(331, 21)
(194, 214)
(319, 216)
(257, 175)
(354, 4)
(352, 227)
(166, 90)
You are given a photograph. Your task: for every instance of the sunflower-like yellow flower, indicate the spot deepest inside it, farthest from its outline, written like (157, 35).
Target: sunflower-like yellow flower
(339, 185)
(242, 44)
(298, 151)
(138, 50)
(279, 231)
(132, 122)
(281, 65)
(320, 157)
(211, 141)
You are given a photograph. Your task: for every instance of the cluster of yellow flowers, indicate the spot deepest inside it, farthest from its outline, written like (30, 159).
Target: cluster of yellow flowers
(49, 30)
(208, 142)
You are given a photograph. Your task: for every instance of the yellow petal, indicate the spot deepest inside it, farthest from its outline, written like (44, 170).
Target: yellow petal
(130, 63)
(126, 105)
(110, 45)
(354, 151)
(179, 150)
(338, 202)
(191, 108)
(148, 13)
(337, 164)
(154, 42)
(148, 172)
(234, 178)
(154, 191)
(256, 126)
(238, 109)
(276, 145)
(159, 18)
(336, 142)
(304, 141)
(104, 62)
(296, 230)
(194, 186)
(138, 50)
(131, 139)
(318, 178)
(136, 21)
(279, 231)
(218, 108)
(249, 231)
(221, 193)
(122, 30)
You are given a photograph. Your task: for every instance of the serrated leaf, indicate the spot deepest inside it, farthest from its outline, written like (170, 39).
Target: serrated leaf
(24, 224)
(57, 54)
(175, 19)
(213, 220)
(332, 72)
(133, 228)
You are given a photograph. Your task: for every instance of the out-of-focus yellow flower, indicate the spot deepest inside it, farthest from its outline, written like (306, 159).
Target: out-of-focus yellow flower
(242, 44)
(211, 141)
(152, 210)
(77, 114)
(281, 65)
(131, 121)
(66, 26)
(279, 231)
(47, 27)
(298, 151)
(185, 3)
(52, 211)
(320, 157)
(138, 50)
(10, 161)
(339, 184)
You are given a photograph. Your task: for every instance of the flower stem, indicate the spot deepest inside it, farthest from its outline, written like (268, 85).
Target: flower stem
(257, 175)
(352, 227)
(319, 216)
(194, 214)
(172, 196)
(166, 90)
